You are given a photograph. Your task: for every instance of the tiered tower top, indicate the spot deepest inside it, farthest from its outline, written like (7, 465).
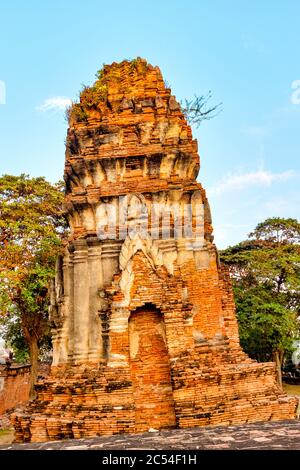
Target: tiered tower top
(127, 135)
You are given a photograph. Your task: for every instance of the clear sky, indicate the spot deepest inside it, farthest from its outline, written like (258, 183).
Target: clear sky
(246, 52)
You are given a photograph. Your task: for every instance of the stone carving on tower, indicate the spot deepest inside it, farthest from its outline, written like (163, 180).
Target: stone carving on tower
(144, 327)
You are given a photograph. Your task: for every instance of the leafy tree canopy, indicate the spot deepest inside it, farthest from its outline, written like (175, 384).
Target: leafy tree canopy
(265, 270)
(31, 227)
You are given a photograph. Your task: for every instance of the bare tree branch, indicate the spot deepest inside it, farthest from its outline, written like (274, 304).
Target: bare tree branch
(198, 110)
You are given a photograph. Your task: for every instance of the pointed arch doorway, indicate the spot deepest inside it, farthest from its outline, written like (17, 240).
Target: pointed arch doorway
(150, 370)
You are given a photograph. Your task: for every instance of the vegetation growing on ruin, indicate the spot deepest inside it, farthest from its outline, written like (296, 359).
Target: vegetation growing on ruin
(77, 111)
(92, 96)
(195, 110)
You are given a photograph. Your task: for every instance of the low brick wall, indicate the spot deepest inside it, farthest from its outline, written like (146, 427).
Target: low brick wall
(14, 387)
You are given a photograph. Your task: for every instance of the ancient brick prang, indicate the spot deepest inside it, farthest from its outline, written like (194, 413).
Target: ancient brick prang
(144, 327)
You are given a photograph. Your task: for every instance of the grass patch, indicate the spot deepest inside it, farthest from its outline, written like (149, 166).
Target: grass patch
(6, 436)
(292, 389)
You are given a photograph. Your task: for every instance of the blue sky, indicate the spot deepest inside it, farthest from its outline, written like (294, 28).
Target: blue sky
(247, 53)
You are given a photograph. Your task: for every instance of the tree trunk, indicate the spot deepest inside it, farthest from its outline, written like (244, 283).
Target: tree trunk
(278, 358)
(34, 355)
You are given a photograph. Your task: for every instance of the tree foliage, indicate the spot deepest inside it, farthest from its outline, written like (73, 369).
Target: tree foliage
(31, 227)
(266, 277)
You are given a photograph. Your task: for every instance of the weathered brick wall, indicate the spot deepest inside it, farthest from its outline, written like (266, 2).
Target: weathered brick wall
(79, 401)
(14, 387)
(214, 386)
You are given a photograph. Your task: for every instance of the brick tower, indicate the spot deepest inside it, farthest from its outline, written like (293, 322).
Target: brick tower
(144, 327)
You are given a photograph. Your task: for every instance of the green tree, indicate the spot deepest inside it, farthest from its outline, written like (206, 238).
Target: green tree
(266, 277)
(31, 228)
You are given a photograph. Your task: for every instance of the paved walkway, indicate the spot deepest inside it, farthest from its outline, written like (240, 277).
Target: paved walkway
(275, 435)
